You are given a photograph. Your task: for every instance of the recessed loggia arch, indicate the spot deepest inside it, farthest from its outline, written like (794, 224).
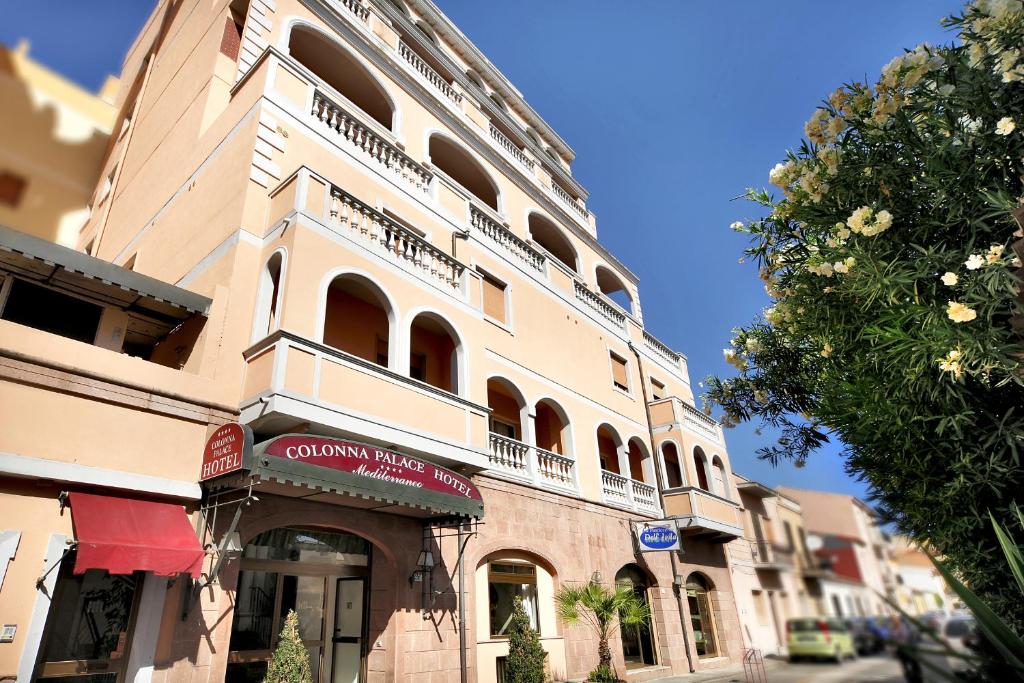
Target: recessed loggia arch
(460, 165)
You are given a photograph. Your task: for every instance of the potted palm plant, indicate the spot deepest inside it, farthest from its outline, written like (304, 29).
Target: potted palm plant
(604, 610)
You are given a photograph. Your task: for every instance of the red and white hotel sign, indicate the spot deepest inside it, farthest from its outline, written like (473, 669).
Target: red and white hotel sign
(373, 463)
(226, 450)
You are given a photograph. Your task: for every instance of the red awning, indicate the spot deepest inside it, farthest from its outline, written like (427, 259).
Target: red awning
(123, 535)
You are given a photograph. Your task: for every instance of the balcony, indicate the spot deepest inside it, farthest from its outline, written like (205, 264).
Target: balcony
(703, 515)
(661, 350)
(514, 151)
(673, 410)
(368, 140)
(568, 200)
(600, 305)
(292, 380)
(428, 73)
(629, 493)
(767, 556)
(532, 465)
(519, 249)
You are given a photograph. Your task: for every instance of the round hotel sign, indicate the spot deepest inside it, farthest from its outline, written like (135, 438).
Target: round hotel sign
(657, 536)
(371, 462)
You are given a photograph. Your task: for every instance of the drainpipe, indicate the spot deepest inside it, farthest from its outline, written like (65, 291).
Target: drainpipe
(463, 671)
(676, 588)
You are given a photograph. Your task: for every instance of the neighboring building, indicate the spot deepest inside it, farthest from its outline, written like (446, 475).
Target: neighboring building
(854, 575)
(384, 267)
(53, 138)
(919, 586)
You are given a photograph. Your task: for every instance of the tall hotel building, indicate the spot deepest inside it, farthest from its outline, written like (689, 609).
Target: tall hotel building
(339, 337)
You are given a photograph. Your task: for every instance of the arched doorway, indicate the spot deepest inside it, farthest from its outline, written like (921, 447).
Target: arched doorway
(638, 647)
(323, 576)
(702, 620)
(700, 465)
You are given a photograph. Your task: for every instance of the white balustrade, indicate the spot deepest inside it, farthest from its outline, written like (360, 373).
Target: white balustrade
(555, 470)
(645, 496)
(602, 307)
(395, 241)
(362, 137)
(615, 488)
(428, 73)
(509, 456)
(506, 239)
(568, 200)
(511, 147)
(700, 423)
(357, 8)
(651, 342)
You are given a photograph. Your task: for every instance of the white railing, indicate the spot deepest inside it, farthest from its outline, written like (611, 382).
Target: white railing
(429, 73)
(365, 139)
(555, 470)
(506, 239)
(511, 147)
(390, 239)
(509, 456)
(604, 309)
(532, 464)
(645, 496)
(651, 342)
(700, 423)
(615, 488)
(568, 200)
(357, 8)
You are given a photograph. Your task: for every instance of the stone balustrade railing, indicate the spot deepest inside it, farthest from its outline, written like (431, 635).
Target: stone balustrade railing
(615, 488)
(700, 423)
(606, 310)
(510, 147)
(531, 464)
(645, 496)
(357, 8)
(506, 239)
(362, 137)
(569, 201)
(660, 349)
(394, 241)
(429, 73)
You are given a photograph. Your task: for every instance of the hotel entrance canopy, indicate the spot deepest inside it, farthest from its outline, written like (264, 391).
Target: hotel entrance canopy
(366, 476)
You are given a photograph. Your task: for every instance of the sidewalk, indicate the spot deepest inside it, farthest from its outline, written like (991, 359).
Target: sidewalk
(729, 674)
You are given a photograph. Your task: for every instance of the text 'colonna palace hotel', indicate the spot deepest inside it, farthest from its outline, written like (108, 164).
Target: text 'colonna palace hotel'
(331, 239)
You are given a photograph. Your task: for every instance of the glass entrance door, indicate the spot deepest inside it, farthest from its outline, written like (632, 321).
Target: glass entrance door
(348, 630)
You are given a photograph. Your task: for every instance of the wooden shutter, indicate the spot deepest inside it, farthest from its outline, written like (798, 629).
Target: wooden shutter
(657, 390)
(619, 376)
(11, 189)
(231, 40)
(494, 298)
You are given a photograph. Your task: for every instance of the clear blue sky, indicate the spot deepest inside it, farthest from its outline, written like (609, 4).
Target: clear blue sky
(673, 109)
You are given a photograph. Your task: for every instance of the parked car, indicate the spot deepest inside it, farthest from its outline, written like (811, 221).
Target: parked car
(957, 633)
(863, 639)
(819, 638)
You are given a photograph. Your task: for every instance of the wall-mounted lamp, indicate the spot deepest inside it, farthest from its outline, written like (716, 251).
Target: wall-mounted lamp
(424, 563)
(597, 577)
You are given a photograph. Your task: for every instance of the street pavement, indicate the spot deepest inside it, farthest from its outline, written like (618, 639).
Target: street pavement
(879, 669)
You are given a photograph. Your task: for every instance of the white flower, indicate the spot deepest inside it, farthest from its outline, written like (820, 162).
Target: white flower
(840, 267)
(737, 225)
(753, 345)
(960, 313)
(951, 363)
(734, 359)
(1005, 126)
(995, 252)
(826, 351)
(974, 262)
(950, 279)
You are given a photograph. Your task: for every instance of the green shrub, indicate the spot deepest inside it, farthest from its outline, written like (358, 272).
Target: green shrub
(525, 661)
(290, 663)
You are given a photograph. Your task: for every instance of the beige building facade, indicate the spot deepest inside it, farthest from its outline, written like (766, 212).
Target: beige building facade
(336, 224)
(53, 137)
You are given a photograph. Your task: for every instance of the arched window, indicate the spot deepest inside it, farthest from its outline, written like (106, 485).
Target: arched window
(336, 67)
(476, 79)
(427, 31)
(506, 575)
(358, 319)
(498, 100)
(673, 466)
(720, 478)
(460, 166)
(638, 645)
(268, 297)
(549, 236)
(508, 408)
(551, 425)
(608, 446)
(639, 461)
(700, 466)
(702, 620)
(614, 288)
(435, 352)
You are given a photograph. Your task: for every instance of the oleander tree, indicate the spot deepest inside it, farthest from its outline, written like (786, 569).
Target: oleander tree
(895, 328)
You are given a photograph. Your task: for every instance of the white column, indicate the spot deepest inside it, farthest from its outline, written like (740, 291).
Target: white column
(147, 629)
